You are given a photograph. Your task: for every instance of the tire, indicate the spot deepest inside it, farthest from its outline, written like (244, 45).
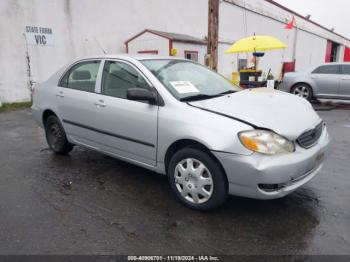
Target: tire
(204, 188)
(303, 90)
(56, 136)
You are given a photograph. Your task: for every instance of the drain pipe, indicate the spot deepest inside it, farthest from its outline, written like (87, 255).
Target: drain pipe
(30, 82)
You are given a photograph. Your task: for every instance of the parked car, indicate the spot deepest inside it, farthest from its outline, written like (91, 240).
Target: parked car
(327, 81)
(178, 118)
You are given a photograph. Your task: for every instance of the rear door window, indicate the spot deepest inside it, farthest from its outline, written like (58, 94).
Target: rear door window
(82, 76)
(328, 70)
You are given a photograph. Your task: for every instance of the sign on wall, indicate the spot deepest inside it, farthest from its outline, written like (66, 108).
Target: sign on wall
(37, 35)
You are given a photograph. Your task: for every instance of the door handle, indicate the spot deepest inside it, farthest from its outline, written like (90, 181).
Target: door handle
(60, 94)
(100, 103)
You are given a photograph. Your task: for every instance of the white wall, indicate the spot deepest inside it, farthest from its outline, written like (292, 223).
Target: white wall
(76, 26)
(310, 50)
(227, 63)
(279, 14)
(147, 42)
(14, 16)
(81, 27)
(249, 23)
(181, 47)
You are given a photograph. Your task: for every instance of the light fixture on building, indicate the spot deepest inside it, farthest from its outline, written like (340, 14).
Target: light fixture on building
(173, 52)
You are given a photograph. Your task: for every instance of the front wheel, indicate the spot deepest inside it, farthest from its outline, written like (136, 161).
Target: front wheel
(303, 90)
(197, 179)
(56, 136)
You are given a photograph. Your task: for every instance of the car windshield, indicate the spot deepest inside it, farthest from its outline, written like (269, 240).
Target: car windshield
(189, 81)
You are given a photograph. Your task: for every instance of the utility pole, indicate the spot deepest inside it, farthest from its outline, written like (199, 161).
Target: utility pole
(213, 34)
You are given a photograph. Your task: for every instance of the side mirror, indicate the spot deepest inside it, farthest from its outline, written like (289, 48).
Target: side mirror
(141, 94)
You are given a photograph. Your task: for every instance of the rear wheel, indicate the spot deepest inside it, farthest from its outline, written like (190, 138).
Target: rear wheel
(197, 179)
(303, 90)
(56, 136)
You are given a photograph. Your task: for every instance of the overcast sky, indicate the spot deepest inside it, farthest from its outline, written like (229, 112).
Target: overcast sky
(329, 13)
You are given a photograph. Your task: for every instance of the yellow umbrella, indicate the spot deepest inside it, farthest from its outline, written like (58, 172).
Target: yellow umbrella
(256, 43)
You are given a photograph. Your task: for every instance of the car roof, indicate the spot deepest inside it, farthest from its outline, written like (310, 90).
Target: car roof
(335, 63)
(311, 68)
(131, 57)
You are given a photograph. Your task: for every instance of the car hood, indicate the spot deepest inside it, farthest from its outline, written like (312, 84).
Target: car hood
(281, 112)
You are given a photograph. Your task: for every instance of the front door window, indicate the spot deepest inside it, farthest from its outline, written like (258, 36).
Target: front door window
(118, 77)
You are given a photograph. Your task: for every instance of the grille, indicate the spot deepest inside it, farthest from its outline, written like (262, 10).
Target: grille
(310, 137)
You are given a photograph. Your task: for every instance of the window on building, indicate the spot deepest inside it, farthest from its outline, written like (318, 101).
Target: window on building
(82, 76)
(191, 55)
(150, 52)
(345, 69)
(118, 77)
(327, 69)
(334, 52)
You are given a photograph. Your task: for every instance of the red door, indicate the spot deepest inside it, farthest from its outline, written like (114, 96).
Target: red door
(347, 54)
(288, 67)
(329, 51)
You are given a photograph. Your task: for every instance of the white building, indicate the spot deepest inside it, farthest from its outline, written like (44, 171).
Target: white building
(40, 36)
(164, 43)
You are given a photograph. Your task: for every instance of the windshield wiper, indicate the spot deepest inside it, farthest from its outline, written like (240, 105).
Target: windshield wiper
(227, 92)
(203, 96)
(196, 97)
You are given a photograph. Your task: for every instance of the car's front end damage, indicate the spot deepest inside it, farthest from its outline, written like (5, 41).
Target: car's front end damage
(288, 143)
(273, 176)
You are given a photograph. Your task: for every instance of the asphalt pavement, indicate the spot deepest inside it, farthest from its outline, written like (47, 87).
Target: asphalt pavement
(89, 203)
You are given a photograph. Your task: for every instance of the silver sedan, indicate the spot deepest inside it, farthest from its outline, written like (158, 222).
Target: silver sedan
(178, 118)
(327, 81)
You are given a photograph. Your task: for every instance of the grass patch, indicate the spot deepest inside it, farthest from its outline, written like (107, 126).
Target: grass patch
(15, 106)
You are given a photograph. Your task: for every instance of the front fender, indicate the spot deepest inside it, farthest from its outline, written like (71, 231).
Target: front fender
(216, 132)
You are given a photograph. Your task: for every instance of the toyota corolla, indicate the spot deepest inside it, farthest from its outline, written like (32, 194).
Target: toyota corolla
(178, 118)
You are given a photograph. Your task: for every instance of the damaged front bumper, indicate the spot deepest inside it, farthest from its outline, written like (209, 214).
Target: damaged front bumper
(268, 177)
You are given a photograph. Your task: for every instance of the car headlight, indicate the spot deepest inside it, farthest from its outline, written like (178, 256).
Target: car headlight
(266, 142)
